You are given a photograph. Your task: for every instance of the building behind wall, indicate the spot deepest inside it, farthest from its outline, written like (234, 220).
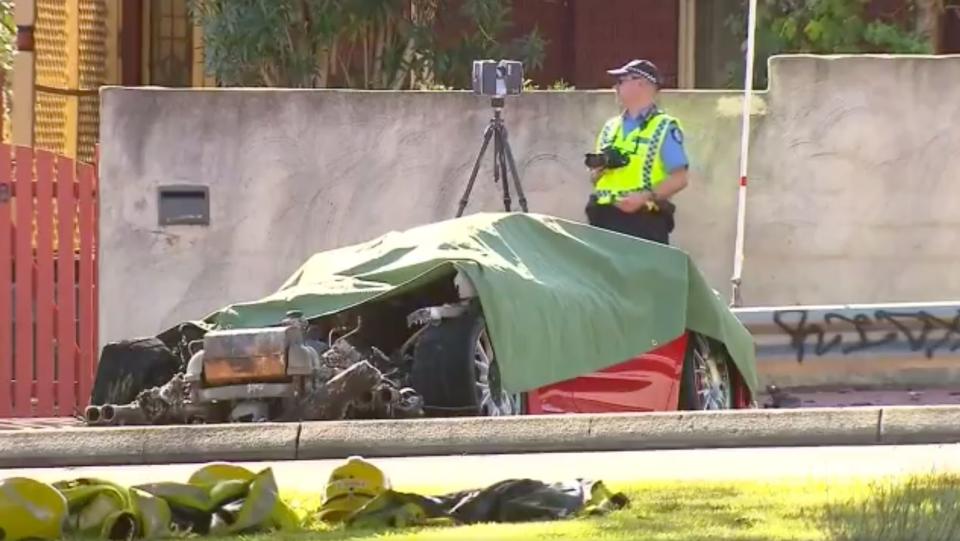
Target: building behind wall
(67, 49)
(70, 51)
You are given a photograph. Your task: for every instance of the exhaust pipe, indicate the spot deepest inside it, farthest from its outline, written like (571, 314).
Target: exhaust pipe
(128, 414)
(108, 413)
(114, 415)
(92, 415)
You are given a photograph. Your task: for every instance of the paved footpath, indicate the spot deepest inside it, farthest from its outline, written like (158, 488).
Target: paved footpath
(456, 472)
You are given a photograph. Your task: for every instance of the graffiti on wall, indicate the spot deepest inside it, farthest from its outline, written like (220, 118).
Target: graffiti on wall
(849, 332)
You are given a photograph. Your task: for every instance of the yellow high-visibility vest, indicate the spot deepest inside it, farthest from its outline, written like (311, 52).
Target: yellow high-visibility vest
(646, 168)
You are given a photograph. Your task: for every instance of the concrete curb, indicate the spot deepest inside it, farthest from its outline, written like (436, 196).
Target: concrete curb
(609, 432)
(547, 433)
(147, 445)
(931, 424)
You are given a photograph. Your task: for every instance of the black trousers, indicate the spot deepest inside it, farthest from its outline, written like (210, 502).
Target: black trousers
(652, 226)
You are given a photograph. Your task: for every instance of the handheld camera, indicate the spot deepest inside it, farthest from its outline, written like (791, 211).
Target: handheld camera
(608, 158)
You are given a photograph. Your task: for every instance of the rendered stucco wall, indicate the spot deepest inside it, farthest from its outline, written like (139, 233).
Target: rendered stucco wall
(854, 192)
(856, 183)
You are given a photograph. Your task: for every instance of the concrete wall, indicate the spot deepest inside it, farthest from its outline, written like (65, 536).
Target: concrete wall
(854, 193)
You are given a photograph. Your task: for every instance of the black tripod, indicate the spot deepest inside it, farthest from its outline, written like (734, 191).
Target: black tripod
(502, 156)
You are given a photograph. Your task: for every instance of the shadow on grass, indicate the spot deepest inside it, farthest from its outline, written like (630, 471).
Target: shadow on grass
(696, 511)
(923, 507)
(659, 514)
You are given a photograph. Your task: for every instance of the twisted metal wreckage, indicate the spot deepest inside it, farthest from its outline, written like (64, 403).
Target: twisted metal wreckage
(404, 326)
(277, 374)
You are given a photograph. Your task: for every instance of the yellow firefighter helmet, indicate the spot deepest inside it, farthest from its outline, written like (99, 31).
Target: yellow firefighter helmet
(30, 509)
(351, 486)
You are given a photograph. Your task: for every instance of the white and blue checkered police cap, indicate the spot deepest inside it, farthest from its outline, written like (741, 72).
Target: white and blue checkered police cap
(641, 68)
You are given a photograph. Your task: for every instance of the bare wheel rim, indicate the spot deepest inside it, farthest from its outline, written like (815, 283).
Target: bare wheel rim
(493, 400)
(711, 377)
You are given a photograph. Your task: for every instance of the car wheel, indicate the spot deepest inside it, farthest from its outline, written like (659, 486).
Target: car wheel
(706, 383)
(456, 372)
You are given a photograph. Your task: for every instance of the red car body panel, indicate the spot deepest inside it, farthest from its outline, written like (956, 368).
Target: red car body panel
(649, 382)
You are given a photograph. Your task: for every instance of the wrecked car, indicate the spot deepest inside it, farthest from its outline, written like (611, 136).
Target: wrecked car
(491, 314)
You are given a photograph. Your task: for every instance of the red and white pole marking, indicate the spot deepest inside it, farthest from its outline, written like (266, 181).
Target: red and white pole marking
(744, 153)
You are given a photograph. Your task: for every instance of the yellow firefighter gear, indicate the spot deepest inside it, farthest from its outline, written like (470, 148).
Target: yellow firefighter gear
(30, 509)
(106, 510)
(220, 499)
(238, 499)
(350, 487)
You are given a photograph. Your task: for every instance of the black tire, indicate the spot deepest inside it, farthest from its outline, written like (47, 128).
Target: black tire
(721, 393)
(444, 371)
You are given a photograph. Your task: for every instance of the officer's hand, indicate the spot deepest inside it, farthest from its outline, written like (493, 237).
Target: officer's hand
(633, 202)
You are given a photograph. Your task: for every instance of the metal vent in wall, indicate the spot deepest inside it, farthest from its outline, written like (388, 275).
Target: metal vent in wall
(184, 205)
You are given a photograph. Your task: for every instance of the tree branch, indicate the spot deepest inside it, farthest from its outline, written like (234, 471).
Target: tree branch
(365, 43)
(265, 76)
(928, 22)
(346, 74)
(333, 52)
(401, 71)
(322, 69)
(378, 48)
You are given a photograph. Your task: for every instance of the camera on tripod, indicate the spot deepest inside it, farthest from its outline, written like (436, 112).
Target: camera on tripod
(607, 158)
(497, 79)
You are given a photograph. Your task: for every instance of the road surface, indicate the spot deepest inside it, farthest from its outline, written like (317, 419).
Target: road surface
(458, 472)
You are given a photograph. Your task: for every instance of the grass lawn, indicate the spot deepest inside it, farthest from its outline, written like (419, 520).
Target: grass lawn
(908, 508)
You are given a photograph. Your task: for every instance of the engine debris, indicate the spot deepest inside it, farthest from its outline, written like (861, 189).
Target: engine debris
(343, 381)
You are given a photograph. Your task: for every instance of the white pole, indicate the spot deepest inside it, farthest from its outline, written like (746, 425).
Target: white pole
(744, 153)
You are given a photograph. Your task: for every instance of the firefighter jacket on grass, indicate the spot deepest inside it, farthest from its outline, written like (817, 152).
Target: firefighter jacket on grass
(219, 499)
(222, 499)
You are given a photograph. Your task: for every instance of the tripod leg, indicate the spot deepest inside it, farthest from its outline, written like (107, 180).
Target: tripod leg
(487, 134)
(500, 168)
(513, 169)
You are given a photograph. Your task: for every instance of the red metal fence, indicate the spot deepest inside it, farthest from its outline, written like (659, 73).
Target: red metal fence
(48, 323)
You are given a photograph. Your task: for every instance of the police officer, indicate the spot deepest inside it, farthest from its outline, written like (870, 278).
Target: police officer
(635, 198)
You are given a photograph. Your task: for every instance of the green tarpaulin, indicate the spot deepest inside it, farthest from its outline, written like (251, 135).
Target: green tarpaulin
(561, 298)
